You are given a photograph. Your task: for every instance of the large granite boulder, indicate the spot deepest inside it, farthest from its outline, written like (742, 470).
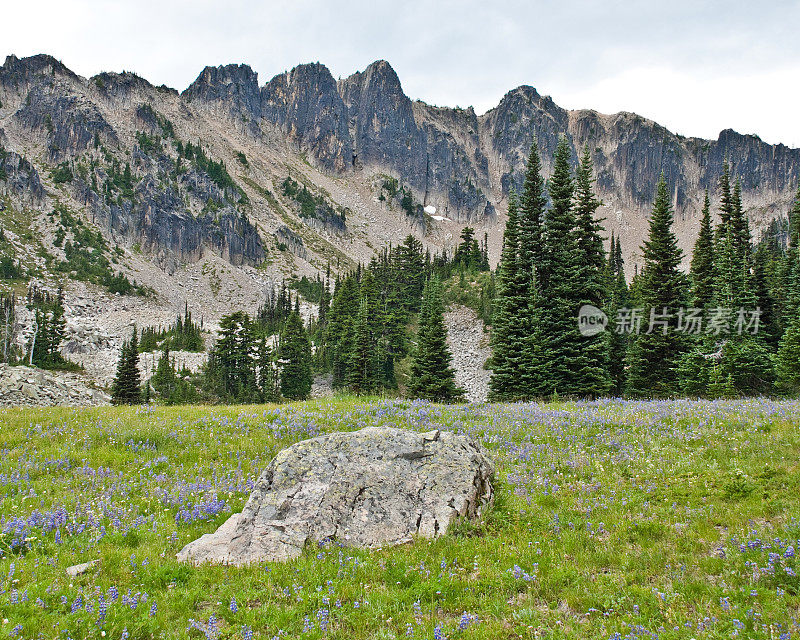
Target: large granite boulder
(371, 488)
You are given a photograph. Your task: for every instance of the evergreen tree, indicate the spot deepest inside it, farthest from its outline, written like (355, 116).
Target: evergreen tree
(295, 356)
(654, 354)
(49, 329)
(126, 387)
(8, 305)
(164, 379)
(509, 336)
(231, 368)
(531, 214)
(363, 364)
(702, 269)
(726, 196)
(590, 373)
(791, 266)
(764, 268)
(410, 270)
(267, 380)
(527, 345)
(558, 281)
(787, 360)
(432, 377)
(340, 330)
(617, 292)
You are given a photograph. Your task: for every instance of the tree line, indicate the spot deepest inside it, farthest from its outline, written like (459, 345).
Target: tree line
(369, 320)
(728, 327)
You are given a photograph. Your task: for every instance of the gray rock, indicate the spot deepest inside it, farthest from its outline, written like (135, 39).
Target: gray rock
(78, 569)
(371, 488)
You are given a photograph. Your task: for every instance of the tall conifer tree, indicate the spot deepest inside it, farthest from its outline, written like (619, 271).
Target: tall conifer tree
(654, 354)
(295, 356)
(558, 279)
(509, 336)
(617, 292)
(591, 376)
(432, 377)
(702, 269)
(126, 387)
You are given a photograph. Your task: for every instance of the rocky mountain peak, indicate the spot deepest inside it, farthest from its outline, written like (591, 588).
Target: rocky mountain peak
(305, 106)
(18, 74)
(232, 88)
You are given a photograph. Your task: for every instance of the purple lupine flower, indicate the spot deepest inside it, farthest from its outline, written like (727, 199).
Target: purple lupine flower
(322, 617)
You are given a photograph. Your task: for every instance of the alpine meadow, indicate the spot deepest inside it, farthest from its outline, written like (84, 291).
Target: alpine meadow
(317, 357)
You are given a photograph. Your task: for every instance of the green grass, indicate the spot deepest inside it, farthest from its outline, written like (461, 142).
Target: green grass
(646, 519)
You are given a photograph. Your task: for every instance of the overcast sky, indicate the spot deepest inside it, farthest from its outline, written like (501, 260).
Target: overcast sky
(695, 66)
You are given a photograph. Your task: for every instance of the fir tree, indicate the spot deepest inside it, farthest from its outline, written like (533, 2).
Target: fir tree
(655, 353)
(267, 380)
(528, 354)
(432, 377)
(231, 368)
(164, 379)
(295, 356)
(558, 281)
(509, 335)
(363, 364)
(590, 372)
(702, 269)
(617, 292)
(126, 386)
(787, 360)
(745, 364)
(531, 214)
(339, 332)
(791, 266)
(410, 270)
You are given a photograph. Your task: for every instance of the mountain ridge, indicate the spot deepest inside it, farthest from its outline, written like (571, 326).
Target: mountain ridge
(364, 126)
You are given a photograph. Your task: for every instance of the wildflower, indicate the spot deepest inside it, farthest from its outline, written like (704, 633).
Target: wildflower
(466, 619)
(322, 616)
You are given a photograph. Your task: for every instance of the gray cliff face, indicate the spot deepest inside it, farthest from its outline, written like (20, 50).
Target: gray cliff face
(18, 176)
(232, 90)
(63, 111)
(435, 151)
(357, 128)
(18, 75)
(305, 106)
(69, 122)
(381, 121)
(158, 219)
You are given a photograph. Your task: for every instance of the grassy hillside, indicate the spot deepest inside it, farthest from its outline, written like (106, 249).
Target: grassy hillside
(614, 520)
